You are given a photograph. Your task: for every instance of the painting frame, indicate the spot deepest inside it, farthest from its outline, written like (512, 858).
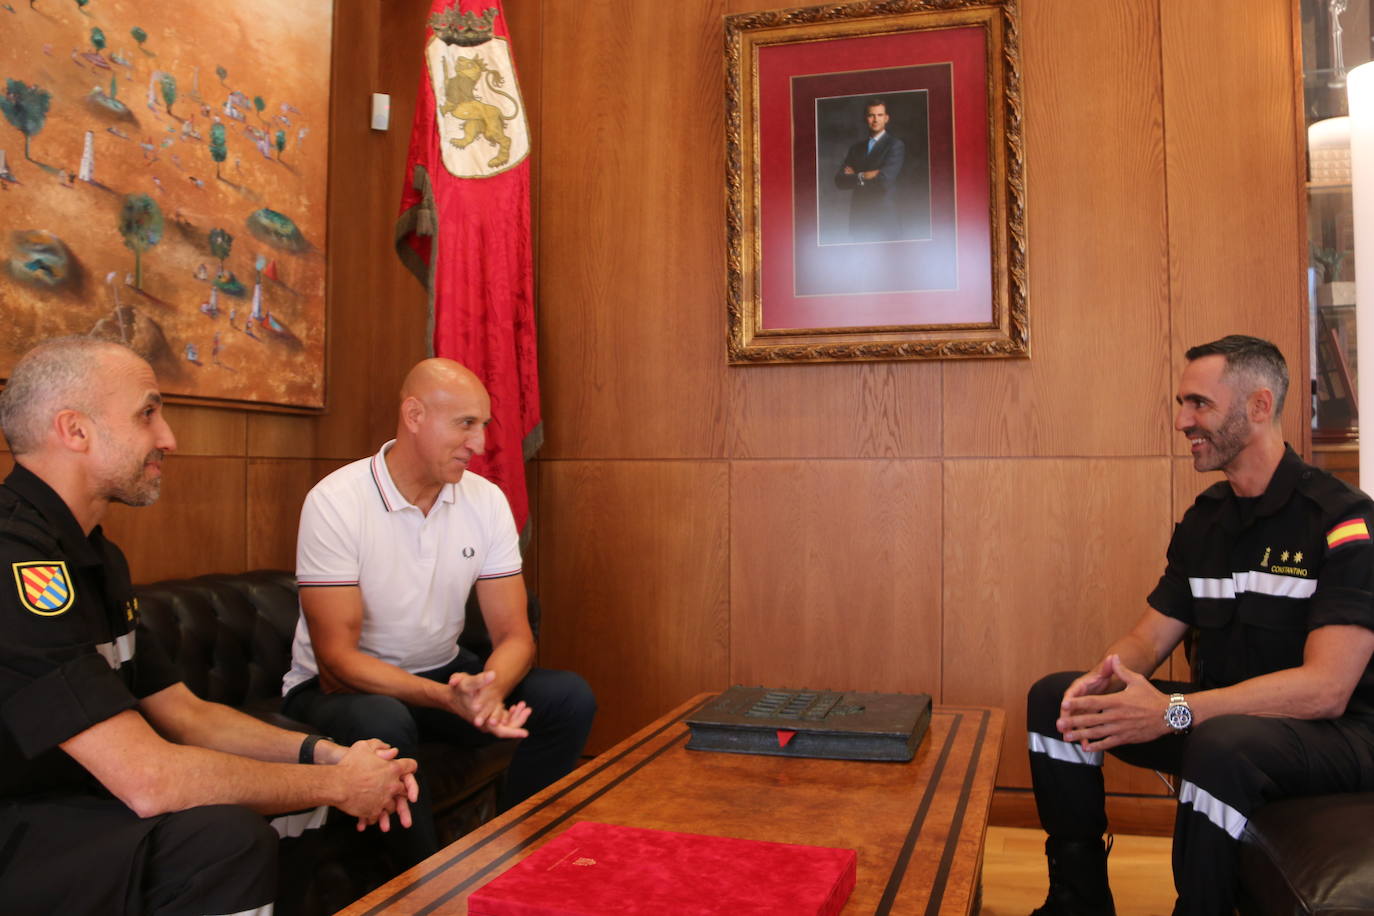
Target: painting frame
(960, 291)
(178, 194)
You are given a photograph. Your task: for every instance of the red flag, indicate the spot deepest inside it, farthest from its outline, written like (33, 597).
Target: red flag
(464, 227)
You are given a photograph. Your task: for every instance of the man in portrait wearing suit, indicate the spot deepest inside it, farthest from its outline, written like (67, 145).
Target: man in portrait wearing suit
(870, 170)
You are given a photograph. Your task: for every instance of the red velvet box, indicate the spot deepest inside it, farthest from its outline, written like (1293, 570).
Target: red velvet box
(593, 869)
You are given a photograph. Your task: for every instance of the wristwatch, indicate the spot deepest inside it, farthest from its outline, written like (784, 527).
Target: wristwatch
(1179, 715)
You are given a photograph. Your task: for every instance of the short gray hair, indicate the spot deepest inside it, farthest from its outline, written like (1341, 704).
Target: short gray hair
(1252, 359)
(55, 375)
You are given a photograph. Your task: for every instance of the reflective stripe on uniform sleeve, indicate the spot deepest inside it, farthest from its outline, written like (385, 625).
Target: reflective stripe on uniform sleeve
(1254, 582)
(1056, 749)
(1212, 808)
(118, 652)
(1212, 588)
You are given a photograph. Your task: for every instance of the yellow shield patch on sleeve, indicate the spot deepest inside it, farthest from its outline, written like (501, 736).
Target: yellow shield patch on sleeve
(44, 586)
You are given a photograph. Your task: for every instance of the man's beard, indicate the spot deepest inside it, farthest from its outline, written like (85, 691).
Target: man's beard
(1227, 441)
(135, 489)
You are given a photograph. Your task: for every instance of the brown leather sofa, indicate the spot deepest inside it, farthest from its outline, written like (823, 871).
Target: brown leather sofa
(1309, 856)
(230, 636)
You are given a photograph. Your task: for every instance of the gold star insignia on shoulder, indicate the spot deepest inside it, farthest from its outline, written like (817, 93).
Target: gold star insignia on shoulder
(1284, 556)
(1297, 557)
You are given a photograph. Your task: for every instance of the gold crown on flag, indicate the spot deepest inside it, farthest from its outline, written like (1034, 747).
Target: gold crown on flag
(455, 27)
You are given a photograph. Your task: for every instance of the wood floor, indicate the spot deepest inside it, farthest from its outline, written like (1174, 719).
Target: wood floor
(1014, 878)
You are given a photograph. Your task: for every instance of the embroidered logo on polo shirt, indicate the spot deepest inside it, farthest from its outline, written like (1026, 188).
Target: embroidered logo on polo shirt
(44, 586)
(469, 553)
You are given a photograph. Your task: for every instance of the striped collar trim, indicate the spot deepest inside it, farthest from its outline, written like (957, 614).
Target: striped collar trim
(386, 488)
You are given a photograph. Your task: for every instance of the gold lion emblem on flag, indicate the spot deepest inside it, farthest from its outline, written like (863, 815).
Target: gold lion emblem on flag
(44, 586)
(482, 126)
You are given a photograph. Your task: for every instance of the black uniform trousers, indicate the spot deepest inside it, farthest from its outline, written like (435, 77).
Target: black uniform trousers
(561, 711)
(86, 854)
(1227, 768)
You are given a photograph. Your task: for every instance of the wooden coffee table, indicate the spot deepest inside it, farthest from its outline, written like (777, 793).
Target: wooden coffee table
(918, 827)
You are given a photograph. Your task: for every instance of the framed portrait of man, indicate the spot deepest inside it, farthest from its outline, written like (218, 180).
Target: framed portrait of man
(876, 188)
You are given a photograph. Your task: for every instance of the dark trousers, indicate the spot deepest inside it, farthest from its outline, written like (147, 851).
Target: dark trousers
(1227, 768)
(562, 708)
(86, 854)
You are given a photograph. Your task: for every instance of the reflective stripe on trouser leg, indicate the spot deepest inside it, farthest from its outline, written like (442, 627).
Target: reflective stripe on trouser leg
(1066, 779)
(1231, 765)
(1062, 750)
(1222, 815)
(1205, 855)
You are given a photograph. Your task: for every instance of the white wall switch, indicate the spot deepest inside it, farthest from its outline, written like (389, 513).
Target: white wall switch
(381, 111)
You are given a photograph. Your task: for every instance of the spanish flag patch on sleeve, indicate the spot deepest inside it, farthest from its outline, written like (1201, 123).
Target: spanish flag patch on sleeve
(1347, 532)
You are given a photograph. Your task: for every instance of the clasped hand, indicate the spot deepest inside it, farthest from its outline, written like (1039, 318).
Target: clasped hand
(476, 699)
(1098, 716)
(379, 783)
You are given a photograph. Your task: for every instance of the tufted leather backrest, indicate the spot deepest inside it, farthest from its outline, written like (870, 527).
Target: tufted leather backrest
(229, 634)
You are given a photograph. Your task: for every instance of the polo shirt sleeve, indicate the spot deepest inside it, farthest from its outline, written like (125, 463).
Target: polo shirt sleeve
(503, 551)
(327, 543)
(53, 683)
(1173, 596)
(1345, 585)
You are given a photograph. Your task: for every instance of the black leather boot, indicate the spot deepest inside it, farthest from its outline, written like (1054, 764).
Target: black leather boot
(1078, 879)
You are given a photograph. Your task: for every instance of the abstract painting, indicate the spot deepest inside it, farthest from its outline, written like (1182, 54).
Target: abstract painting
(163, 182)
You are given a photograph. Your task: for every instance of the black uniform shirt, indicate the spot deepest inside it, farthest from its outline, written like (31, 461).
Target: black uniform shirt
(72, 653)
(1256, 576)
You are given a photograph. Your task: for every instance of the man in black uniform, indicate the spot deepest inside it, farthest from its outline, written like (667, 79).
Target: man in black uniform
(1274, 566)
(121, 791)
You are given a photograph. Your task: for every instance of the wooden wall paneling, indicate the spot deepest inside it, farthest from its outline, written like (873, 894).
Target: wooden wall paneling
(207, 430)
(632, 319)
(843, 410)
(525, 19)
(1237, 247)
(197, 526)
(396, 331)
(633, 566)
(1096, 245)
(529, 554)
(276, 492)
(1046, 562)
(835, 574)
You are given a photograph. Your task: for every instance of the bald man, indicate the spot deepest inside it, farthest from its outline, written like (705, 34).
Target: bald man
(120, 790)
(388, 551)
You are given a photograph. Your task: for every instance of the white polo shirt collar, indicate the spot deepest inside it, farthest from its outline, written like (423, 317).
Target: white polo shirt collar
(386, 488)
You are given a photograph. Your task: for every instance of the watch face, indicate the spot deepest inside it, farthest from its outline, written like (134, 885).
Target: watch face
(1179, 717)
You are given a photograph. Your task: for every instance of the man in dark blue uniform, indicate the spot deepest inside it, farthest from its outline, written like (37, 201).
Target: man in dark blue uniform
(1274, 568)
(870, 170)
(120, 790)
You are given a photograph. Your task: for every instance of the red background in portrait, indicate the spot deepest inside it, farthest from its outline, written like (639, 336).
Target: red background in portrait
(780, 172)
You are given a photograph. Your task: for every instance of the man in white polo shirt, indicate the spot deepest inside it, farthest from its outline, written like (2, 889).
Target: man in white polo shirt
(388, 550)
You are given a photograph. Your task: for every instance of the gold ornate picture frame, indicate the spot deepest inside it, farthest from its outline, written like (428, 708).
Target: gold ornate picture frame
(876, 183)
